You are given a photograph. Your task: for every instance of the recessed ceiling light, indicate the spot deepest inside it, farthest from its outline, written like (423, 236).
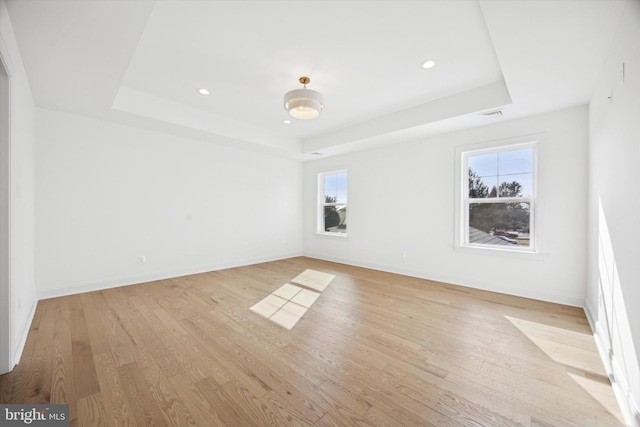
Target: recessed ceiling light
(286, 122)
(429, 63)
(203, 91)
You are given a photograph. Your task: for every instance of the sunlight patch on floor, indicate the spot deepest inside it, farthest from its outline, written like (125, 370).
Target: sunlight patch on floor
(314, 279)
(571, 348)
(600, 390)
(287, 304)
(577, 351)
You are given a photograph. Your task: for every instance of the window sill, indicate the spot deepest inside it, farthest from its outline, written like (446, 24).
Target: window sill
(509, 253)
(330, 235)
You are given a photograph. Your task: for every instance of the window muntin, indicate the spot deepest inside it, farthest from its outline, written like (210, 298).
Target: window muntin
(332, 195)
(499, 197)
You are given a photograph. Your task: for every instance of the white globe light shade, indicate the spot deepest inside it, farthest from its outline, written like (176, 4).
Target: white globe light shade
(304, 104)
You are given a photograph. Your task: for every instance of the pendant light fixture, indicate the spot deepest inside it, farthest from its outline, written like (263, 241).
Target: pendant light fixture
(304, 104)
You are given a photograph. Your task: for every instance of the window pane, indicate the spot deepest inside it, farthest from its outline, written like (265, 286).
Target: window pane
(341, 187)
(335, 188)
(515, 161)
(500, 224)
(484, 164)
(516, 185)
(335, 219)
(330, 188)
(482, 187)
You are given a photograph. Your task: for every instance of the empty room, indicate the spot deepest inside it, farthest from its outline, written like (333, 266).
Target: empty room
(319, 213)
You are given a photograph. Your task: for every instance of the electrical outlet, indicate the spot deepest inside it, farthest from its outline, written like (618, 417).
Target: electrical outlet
(142, 259)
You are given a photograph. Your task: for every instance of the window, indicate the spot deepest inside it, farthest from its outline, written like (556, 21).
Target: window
(332, 202)
(498, 197)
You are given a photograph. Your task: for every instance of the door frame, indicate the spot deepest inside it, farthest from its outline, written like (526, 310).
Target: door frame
(6, 306)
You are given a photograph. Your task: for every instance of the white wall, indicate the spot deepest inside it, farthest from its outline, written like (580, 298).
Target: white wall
(401, 199)
(107, 194)
(22, 140)
(613, 302)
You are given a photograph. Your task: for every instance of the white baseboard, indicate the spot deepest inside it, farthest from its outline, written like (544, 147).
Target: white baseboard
(554, 297)
(114, 282)
(75, 288)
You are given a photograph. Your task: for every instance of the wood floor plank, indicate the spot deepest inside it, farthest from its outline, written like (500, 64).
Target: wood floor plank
(38, 388)
(172, 408)
(95, 329)
(187, 358)
(256, 412)
(84, 371)
(259, 369)
(375, 348)
(384, 412)
(63, 388)
(91, 411)
(231, 414)
(116, 404)
(199, 407)
(136, 341)
(46, 328)
(145, 409)
(227, 368)
(123, 349)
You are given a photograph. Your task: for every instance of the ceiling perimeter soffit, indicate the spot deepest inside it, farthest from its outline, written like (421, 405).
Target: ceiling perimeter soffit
(141, 62)
(551, 52)
(364, 57)
(75, 53)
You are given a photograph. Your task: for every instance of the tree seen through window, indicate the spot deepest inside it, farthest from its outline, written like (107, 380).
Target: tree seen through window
(333, 203)
(499, 197)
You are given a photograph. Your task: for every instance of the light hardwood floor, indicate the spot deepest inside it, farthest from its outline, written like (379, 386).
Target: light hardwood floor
(374, 349)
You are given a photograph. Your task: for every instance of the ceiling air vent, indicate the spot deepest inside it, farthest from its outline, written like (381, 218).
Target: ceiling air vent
(493, 113)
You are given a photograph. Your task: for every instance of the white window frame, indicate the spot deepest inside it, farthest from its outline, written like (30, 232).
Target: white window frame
(461, 235)
(320, 229)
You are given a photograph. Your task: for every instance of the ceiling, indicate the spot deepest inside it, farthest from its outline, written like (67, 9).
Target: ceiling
(141, 62)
